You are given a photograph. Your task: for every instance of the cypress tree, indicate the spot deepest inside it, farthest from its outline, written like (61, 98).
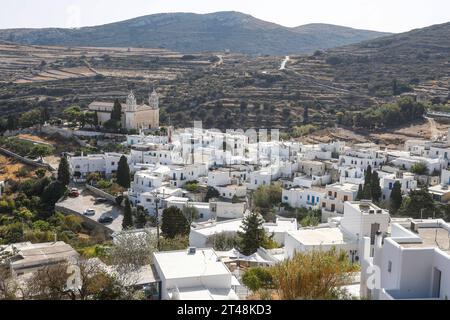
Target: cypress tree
(396, 197)
(253, 236)
(64, 171)
(367, 190)
(305, 115)
(368, 175)
(140, 218)
(95, 119)
(360, 194)
(123, 173)
(174, 223)
(116, 113)
(45, 116)
(375, 187)
(127, 222)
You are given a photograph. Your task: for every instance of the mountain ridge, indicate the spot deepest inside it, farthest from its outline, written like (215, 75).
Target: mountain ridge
(193, 33)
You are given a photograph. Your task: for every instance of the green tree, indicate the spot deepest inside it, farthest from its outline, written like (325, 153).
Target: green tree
(367, 190)
(191, 213)
(258, 278)
(212, 193)
(419, 168)
(267, 196)
(40, 173)
(140, 218)
(30, 118)
(123, 173)
(305, 115)
(64, 171)
(45, 115)
(94, 118)
(360, 194)
(310, 220)
(127, 222)
(74, 115)
(225, 241)
(253, 236)
(174, 223)
(53, 192)
(375, 187)
(396, 197)
(417, 202)
(116, 113)
(11, 123)
(39, 151)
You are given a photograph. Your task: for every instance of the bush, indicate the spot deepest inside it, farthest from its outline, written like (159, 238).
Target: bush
(104, 184)
(419, 168)
(225, 241)
(258, 278)
(191, 186)
(267, 196)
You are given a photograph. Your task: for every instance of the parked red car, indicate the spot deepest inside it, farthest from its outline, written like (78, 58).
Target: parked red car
(74, 193)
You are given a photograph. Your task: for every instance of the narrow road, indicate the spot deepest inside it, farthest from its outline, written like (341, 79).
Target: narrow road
(434, 132)
(218, 63)
(283, 64)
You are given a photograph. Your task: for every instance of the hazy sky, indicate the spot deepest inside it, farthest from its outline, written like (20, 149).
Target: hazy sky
(382, 15)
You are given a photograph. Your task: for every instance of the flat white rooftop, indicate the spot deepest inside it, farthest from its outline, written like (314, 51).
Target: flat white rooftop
(343, 186)
(180, 264)
(281, 225)
(211, 228)
(367, 207)
(320, 236)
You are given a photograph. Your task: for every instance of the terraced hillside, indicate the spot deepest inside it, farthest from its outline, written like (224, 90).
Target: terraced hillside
(229, 90)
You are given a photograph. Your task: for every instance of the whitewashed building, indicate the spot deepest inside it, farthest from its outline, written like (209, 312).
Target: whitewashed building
(406, 180)
(309, 198)
(335, 197)
(413, 263)
(361, 219)
(202, 275)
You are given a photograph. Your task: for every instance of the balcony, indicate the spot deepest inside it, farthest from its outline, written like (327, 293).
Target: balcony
(400, 295)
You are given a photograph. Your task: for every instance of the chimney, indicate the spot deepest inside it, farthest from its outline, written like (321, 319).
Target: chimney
(379, 239)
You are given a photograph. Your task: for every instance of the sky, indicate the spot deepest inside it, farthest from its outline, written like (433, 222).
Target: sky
(380, 15)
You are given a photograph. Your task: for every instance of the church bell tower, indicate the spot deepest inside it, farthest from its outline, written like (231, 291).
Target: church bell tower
(131, 102)
(153, 100)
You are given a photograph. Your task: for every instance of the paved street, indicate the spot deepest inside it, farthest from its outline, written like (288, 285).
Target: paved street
(86, 200)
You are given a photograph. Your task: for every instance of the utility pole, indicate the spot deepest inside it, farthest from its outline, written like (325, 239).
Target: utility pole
(157, 221)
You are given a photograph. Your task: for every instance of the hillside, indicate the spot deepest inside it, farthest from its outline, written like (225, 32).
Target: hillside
(232, 90)
(194, 33)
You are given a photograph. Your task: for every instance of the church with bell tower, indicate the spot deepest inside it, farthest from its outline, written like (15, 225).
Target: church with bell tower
(134, 116)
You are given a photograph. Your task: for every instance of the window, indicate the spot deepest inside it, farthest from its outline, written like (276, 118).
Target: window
(113, 163)
(390, 266)
(286, 198)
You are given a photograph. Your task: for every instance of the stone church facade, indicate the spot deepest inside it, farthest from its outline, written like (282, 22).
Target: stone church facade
(134, 116)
